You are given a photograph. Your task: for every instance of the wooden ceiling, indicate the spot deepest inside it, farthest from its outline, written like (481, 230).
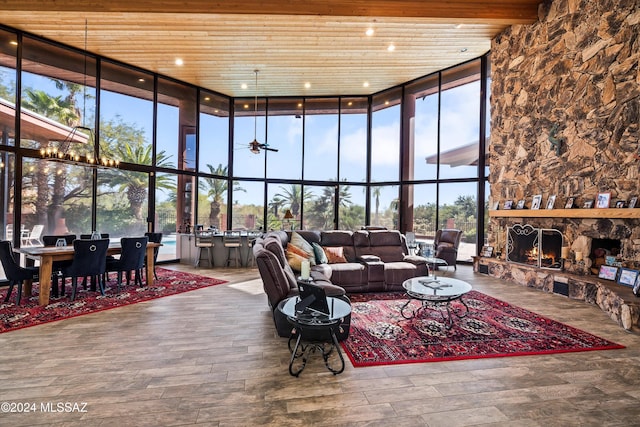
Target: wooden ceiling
(321, 43)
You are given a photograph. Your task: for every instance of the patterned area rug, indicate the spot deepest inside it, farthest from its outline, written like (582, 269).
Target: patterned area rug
(29, 313)
(492, 328)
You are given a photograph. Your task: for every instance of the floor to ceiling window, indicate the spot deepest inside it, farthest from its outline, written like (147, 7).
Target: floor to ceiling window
(57, 103)
(406, 158)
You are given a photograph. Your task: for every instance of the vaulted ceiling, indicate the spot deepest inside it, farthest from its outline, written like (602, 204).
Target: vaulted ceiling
(301, 48)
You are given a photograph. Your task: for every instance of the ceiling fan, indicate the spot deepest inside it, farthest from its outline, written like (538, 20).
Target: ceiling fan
(255, 146)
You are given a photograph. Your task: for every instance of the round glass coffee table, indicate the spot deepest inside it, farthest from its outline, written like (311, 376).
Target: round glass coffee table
(433, 293)
(308, 325)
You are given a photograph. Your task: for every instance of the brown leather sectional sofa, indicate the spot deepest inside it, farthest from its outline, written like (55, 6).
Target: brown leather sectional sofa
(376, 261)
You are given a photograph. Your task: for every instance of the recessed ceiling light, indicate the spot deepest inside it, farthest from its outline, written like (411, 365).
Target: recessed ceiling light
(391, 47)
(13, 42)
(458, 26)
(369, 32)
(243, 86)
(464, 49)
(365, 84)
(179, 61)
(299, 104)
(386, 102)
(206, 98)
(307, 85)
(140, 80)
(349, 103)
(246, 106)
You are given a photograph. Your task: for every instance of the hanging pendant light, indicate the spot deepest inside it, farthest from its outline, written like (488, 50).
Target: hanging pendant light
(79, 133)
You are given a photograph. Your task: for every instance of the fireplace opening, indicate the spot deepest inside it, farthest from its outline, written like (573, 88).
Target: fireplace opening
(534, 246)
(601, 249)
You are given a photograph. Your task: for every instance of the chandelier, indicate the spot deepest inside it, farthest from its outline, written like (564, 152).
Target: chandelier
(80, 134)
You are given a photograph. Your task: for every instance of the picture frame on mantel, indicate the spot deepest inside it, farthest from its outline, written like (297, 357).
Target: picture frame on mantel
(487, 251)
(520, 204)
(570, 203)
(604, 200)
(588, 204)
(551, 201)
(608, 272)
(628, 277)
(536, 202)
(508, 204)
(633, 202)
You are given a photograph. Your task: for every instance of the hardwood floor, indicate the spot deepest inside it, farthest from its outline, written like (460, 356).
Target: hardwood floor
(211, 358)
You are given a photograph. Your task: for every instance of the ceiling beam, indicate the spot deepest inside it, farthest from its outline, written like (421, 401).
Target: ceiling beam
(513, 10)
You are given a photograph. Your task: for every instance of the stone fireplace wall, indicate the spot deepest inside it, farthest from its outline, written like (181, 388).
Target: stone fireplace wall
(575, 69)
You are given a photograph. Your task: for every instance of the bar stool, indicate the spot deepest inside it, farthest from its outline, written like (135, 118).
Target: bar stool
(204, 240)
(251, 261)
(231, 241)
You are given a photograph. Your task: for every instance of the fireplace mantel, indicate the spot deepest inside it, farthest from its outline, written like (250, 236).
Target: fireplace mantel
(610, 213)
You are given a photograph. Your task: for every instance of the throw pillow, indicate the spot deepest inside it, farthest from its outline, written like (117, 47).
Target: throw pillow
(295, 261)
(296, 250)
(300, 242)
(335, 254)
(321, 257)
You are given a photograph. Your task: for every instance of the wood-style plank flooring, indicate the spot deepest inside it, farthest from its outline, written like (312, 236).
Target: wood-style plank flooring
(211, 358)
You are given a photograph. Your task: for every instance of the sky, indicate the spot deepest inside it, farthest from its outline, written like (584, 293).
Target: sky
(458, 126)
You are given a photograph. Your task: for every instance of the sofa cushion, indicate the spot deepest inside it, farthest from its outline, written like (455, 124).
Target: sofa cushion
(339, 238)
(300, 243)
(295, 260)
(274, 245)
(296, 250)
(310, 236)
(322, 269)
(352, 276)
(397, 272)
(335, 254)
(321, 257)
(276, 284)
(388, 245)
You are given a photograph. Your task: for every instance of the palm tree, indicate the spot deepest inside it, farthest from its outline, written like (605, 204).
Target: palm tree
(65, 112)
(376, 191)
(293, 195)
(275, 204)
(217, 188)
(127, 143)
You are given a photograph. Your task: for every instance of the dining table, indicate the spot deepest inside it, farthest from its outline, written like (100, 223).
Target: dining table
(46, 255)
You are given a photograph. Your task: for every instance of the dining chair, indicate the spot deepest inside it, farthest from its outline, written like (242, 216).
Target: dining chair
(15, 274)
(89, 260)
(154, 238)
(109, 257)
(204, 240)
(232, 241)
(57, 266)
(88, 236)
(131, 259)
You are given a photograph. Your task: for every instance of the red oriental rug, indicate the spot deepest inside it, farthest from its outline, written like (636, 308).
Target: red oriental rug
(492, 328)
(29, 313)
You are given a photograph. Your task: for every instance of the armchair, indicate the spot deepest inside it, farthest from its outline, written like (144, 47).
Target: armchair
(446, 243)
